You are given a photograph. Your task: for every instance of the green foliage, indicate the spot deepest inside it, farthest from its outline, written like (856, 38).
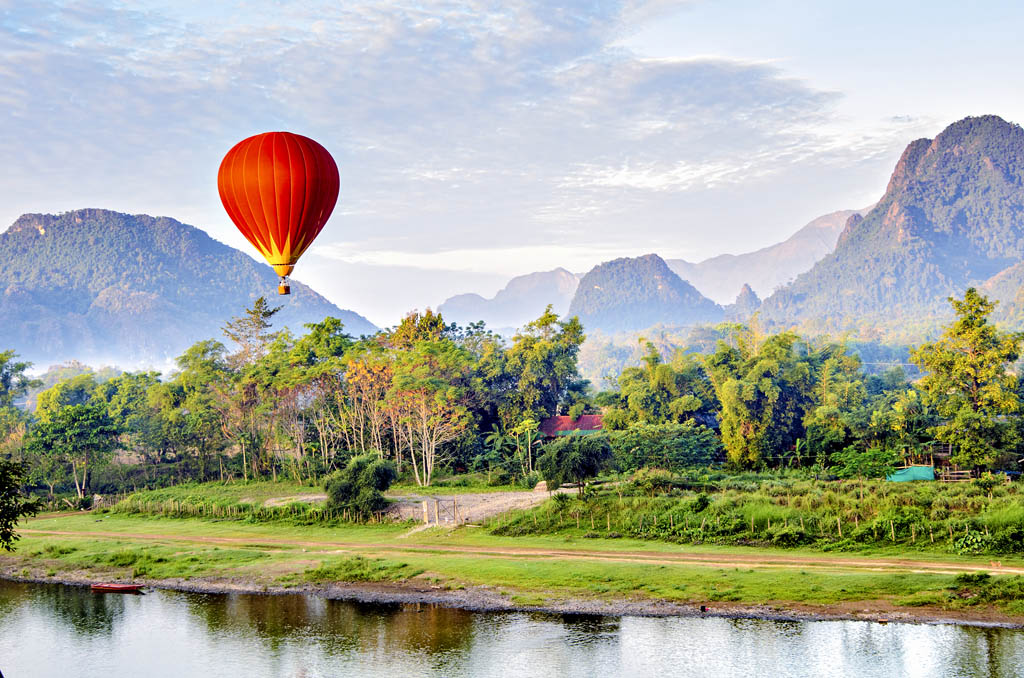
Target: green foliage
(968, 384)
(13, 504)
(542, 363)
(765, 390)
(360, 486)
(574, 458)
(669, 446)
(662, 393)
(874, 462)
(652, 481)
(81, 436)
(14, 383)
(358, 568)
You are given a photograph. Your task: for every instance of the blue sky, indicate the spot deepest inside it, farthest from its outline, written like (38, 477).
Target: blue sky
(481, 140)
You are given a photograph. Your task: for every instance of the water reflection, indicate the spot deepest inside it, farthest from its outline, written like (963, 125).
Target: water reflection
(51, 630)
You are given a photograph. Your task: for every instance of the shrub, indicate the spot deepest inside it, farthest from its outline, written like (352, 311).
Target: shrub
(652, 481)
(360, 485)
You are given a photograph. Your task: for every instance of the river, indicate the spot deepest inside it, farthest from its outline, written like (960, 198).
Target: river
(67, 631)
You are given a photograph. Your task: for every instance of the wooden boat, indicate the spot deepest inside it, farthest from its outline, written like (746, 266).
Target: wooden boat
(117, 588)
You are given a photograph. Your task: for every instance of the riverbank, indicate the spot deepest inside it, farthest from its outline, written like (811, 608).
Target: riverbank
(488, 599)
(467, 569)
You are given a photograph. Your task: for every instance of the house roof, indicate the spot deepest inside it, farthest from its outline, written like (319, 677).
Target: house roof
(560, 426)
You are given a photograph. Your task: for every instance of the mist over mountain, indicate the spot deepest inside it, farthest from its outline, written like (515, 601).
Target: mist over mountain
(105, 287)
(720, 278)
(523, 299)
(952, 216)
(633, 293)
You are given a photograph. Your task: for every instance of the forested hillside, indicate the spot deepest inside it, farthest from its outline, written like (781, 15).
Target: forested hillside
(629, 294)
(952, 216)
(101, 286)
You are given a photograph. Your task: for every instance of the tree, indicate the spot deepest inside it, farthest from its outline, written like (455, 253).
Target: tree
(250, 332)
(14, 383)
(659, 393)
(542, 362)
(360, 486)
(967, 382)
(765, 390)
(574, 458)
(77, 390)
(875, 462)
(428, 392)
(669, 446)
(80, 435)
(13, 505)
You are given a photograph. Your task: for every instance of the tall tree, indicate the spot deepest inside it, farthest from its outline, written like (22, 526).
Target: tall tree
(251, 332)
(968, 384)
(83, 436)
(765, 388)
(542, 362)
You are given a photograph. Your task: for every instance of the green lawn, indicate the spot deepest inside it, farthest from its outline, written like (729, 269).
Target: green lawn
(382, 552)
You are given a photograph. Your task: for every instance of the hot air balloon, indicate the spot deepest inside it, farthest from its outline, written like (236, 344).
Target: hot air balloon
(279, 188)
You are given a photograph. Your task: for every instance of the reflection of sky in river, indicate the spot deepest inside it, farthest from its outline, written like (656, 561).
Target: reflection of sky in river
(53, 630)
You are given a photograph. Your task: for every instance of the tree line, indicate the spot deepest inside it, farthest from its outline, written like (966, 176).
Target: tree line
(428, 396)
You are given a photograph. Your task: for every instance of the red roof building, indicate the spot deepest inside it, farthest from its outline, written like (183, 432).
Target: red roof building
(553, 427)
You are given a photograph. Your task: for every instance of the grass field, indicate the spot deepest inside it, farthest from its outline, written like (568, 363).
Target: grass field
(531, 571)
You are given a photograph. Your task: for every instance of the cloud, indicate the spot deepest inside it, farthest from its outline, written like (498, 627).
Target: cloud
(490, 130)
(509, 261)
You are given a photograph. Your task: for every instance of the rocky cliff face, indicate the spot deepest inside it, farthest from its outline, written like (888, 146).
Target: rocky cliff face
(952, 216)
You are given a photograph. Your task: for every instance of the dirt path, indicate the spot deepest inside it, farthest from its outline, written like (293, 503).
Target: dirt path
(758, 560)
(445, 509)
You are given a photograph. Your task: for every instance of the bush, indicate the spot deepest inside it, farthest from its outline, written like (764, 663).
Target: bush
(360, 486)
(652, 481)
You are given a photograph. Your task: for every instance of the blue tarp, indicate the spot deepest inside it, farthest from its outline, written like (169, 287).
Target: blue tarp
(904, 475)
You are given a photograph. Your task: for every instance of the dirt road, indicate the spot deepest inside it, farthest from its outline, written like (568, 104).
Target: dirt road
(753, 560)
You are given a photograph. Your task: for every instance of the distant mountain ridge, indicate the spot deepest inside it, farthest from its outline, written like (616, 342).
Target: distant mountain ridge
(720, 278)
(952, 216)
(523, 299)
(101, 286)
(634, 293)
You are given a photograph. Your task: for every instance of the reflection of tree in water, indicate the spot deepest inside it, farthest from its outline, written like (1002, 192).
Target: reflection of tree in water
(584, 629)
(986, 652)
(12, 595)
(336, 627)
(88, 613)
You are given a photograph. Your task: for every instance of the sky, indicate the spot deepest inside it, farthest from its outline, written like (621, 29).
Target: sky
(485, 139)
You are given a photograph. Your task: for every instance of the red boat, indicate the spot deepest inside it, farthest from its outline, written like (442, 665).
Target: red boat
(118, 588)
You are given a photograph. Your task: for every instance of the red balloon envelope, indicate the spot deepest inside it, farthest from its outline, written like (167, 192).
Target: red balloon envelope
(279, 188)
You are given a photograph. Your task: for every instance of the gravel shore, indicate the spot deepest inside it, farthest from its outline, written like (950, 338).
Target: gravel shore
(490, 599)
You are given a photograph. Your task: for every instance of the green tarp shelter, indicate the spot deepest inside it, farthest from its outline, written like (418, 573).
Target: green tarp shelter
(904, 475)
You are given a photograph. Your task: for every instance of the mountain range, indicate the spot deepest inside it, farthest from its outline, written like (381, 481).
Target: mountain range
(769, 268)
(105, 287)
(523, 299)
(952, 216)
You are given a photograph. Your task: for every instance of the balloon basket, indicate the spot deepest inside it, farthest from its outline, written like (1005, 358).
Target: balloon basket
(284, 289)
